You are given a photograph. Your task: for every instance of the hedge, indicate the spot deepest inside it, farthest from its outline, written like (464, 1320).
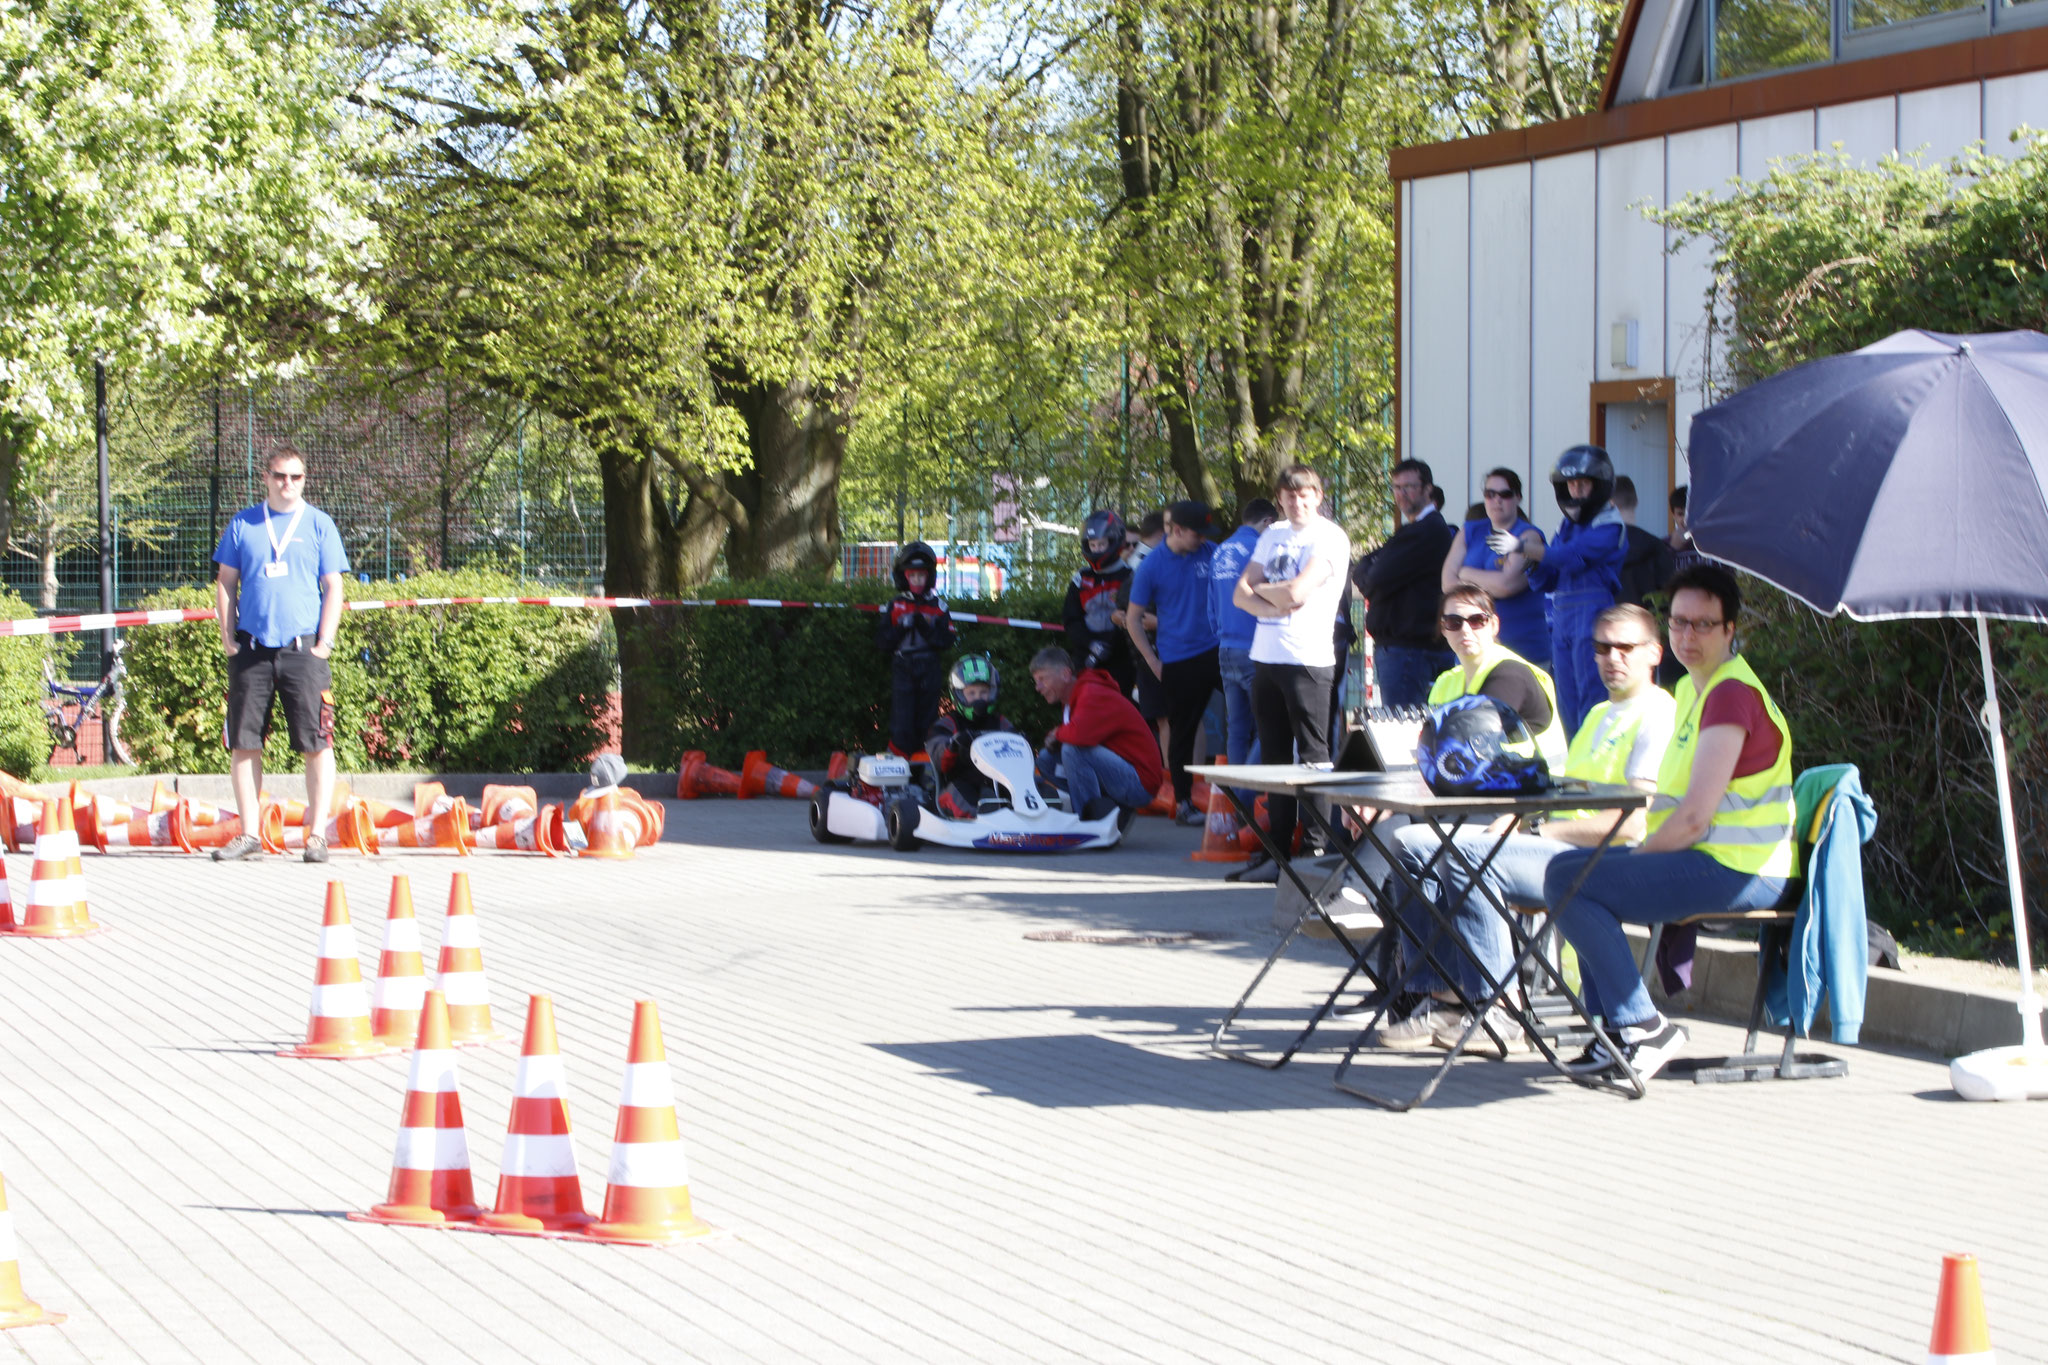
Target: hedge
(24, 730)
(798, 682)
(453, 689)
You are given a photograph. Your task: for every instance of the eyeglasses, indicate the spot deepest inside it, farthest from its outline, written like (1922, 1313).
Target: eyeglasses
(1692, 626)
(1406, 486)
(1502, 493)
(1450, 620)
(1622, 647)
(287, 478)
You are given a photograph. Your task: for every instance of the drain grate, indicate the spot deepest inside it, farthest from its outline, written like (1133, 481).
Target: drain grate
(1140, 940)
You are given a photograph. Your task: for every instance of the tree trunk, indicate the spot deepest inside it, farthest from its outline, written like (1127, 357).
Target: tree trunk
(10, 466)
(47, 546)
(797, 435)
(642, 558)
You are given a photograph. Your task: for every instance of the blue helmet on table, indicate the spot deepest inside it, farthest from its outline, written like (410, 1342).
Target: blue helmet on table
(1476, 746)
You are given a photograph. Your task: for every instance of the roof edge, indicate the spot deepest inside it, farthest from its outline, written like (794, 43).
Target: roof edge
(1624, 38)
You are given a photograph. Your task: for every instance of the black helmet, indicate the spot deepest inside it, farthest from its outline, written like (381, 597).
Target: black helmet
(915, 555)
(1476, 746)
(974, 668)
(1583, 462)
(1106, 529)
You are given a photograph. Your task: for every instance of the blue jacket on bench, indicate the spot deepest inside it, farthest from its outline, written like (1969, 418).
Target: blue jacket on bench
(1830, 952)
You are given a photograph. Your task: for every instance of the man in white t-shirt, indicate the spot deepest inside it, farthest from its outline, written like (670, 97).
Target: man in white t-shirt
(1291, 584)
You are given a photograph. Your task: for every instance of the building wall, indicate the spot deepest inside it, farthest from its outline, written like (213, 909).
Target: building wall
(1515, 274)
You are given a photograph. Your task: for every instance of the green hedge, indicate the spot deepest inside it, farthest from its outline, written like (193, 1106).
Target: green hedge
(24, 732)
(797, 682)
(459, 689)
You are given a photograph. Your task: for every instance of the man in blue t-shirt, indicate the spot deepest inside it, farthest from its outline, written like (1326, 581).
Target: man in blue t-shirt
(1173, 583)
(1235, 626)
(278, 599)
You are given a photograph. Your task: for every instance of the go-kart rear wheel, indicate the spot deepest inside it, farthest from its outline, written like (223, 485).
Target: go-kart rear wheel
(821, 804)
(901, 819)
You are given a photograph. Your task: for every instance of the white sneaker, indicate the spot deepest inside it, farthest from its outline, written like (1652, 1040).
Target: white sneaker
(1451, 1026)
(1650, 1048)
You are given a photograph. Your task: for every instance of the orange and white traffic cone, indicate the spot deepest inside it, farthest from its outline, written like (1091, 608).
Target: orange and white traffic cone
(460, 972)
(57, 906)
(429, 798)
(503, 804)
(760, 777)
(651, 818)
(386, 816)
(16, 1308)
(538, 833)
(199, 814)
(699, 778)
(648, 1197)
(104, 823)
(348, 828)
(1219, 831)
(611, 829)
(161, 799)
(430, 1180)
(401, 979)
(538, 1188)
(24, 816)
(839, 766)
(1960, 1332)
(269, 829)
(338, 1021)
(449, 829)
(1162, 800)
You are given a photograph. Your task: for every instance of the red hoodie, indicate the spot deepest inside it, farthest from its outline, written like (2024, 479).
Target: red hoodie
(1097, 713)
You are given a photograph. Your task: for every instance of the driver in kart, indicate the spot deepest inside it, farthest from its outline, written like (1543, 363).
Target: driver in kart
(971, 688)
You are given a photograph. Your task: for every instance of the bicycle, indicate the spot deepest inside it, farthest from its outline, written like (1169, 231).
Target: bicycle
(70, 707)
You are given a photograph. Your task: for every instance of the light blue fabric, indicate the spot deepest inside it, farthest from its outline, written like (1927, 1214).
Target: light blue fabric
(1175, 587)
(1234, 625)
(276, 610)
(1830, 953)
(1524, 622)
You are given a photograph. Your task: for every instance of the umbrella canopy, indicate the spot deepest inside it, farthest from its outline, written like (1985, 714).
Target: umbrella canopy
(1909, 478)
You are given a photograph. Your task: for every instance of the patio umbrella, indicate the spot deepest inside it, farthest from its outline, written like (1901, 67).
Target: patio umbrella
(1909, 478)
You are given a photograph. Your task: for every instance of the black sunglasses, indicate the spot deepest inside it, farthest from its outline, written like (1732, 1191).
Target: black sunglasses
(1622, 647)
(1451, 620)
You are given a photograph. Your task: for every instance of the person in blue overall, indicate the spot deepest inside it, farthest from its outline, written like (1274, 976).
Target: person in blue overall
(1524, 624)
(1581, 570)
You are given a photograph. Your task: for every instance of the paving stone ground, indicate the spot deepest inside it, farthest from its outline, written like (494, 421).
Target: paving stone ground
(929, 1138)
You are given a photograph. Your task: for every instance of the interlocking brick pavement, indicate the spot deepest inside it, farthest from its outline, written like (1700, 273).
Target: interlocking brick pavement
(928, 1138)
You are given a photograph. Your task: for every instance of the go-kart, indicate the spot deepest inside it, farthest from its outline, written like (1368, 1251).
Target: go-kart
(891, 799)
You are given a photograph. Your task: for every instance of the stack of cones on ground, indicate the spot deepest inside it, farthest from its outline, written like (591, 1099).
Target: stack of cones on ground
(17, 1309)
(1960, 1331)
(57, 905)
(697, 777)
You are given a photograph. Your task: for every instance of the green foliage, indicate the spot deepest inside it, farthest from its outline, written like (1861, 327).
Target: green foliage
(802, 682)
(24, 734)
(461, 689)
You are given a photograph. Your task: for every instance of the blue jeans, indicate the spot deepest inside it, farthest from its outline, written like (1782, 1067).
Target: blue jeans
(1516, 877)
(1639, 888)
(1091, 770)
(1406, 674)
(1240, 733)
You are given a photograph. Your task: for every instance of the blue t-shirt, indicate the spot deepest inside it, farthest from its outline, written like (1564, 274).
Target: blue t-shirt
(1234, 625)
(1176, 589)
(1524, 624)
(274, 610)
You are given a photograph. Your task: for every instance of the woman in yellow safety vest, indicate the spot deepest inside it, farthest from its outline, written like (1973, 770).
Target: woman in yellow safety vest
(1721, 825)
(1487, 667)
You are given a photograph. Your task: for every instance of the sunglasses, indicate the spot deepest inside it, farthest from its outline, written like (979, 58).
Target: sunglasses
(1501, 493)
(1450, 620)
(1622, 647)
(287, 478)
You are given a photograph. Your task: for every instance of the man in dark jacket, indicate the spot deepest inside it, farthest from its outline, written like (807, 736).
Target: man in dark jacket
(1401, 582)
(1105, 754)
(1649, 561)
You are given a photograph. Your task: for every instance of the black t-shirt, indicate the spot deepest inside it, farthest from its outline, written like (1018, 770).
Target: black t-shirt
(1514, 683)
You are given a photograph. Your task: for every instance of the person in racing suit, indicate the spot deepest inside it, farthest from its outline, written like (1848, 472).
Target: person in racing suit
(971, 690)
(916, 629)
(1581, 570)
(1096, 598)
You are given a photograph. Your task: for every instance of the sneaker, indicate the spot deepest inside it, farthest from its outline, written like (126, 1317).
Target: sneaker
(1451, 1025)
(1650, 1048)
(1186, 814)
(316, 849)
(1258, 872)
(1413, 1029)
(1591, 1062)
(240, 847)
(1101, 808)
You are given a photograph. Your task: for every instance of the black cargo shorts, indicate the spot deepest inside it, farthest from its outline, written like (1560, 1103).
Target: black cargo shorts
(296, 677)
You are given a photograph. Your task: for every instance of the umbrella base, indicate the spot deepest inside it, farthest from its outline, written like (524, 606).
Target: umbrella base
(2001, 1073)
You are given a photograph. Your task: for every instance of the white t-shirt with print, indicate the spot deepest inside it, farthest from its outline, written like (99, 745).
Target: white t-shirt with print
(1307, 635)
(1659, 713)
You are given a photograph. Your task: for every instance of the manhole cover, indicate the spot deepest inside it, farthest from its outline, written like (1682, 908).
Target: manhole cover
(1078, 936)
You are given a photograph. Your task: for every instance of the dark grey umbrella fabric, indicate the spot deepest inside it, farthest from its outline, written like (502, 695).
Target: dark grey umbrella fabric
(1904, 479)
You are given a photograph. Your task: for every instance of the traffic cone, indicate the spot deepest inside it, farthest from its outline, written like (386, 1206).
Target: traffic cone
(1960, 1332)
(429, 798)
(699, 778)
(502, 803)
(758, 777)
(430, 1181)
(538, 1189)
(348, 828)
(1219, 830)
(449, 829)
(338, 1021)
(57, 905)
(385, 815)
(611, 829)
(25, 814)
(200, 813)
(401, 981)
(161, 799)
(290, 809)
(1162, 800)
(16, 1308)
(104, 823)
(647, 1199)
(652, 819)
(840, 765)
(540, 833)
(269, 830)
(460, 971)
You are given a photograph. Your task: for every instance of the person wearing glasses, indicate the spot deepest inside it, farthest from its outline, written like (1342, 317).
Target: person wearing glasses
(1399, 583)
(1622, 741)
(1524, 625)
(277, 597)
(1720, 826)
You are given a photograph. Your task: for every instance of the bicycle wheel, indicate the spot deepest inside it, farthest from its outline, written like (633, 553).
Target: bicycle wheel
(115, 707)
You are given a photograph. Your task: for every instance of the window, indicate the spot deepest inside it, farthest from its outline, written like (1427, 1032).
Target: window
(1726, 40)
(1755, 36)
(1869, 14)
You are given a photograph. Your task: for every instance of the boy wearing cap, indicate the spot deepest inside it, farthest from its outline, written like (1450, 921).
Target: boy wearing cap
(1173, 584)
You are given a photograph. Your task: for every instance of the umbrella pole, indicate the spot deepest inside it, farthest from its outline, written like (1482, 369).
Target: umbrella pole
(2030, 1004)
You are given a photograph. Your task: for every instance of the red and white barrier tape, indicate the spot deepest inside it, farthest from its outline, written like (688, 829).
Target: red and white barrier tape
(112, 620)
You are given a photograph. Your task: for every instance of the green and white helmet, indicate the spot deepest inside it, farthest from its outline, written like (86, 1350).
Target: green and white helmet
(968, 670)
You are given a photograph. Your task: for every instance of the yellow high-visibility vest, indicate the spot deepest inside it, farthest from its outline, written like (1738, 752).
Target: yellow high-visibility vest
(1752, 829)
(1451, 685)
(1600, 751)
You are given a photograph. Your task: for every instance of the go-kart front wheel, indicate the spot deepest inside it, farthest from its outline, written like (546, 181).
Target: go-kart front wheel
(821, 804)
(902, 820)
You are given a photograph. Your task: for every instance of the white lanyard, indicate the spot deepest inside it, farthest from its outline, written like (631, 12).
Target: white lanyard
(290, 529)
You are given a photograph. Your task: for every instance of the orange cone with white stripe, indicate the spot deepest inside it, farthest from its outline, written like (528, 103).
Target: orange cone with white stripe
(449, 829)
(24, 814)
(758, 777)
(269, 829)
(1960, 1332)
(347, 828)
(338, 1022)
(648, 1197)
(460, 972)
(104, 823)
(16, 1308)
(401, 979)
(838, 767)
(502, 804)
(200, 813)
(539, 833)
(57, 905)
(611, 829)
(1219, 830)
(430, 1180)
(538, 1189)
(699, 778)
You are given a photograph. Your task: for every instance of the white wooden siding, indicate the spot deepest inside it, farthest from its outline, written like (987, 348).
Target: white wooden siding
(1500, 333)
(1939, 123)
(1703, 159)
(1561, 318)
(1764, 140)
(1868, 129)
(2011, 102)
(1629, 266)
(1440, 322)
